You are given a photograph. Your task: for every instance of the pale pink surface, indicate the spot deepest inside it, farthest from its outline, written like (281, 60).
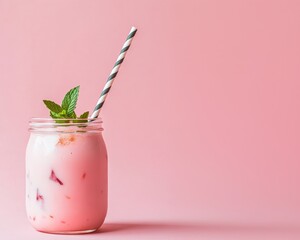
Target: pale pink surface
(202, 123)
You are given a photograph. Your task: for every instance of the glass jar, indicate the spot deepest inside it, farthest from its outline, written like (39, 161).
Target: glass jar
(66, 175)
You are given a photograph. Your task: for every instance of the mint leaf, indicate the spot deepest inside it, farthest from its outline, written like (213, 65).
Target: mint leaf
(70, 100)
(54, 115)
(84, 115)
(58, 116)
(72, 115)
(83, 118)
(54, 107)
(61, 114)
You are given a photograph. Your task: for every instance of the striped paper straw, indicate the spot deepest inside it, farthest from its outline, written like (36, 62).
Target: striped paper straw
(113, 73)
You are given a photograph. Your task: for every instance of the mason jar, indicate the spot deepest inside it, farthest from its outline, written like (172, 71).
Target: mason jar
(66, 175)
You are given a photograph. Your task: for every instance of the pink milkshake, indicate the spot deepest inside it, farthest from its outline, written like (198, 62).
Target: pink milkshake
(66, 176)
(66, 164)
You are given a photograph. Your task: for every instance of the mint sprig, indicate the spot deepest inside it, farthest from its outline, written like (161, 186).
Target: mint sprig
(67, 108)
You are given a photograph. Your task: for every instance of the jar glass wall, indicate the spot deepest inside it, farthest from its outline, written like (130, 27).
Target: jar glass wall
(66, 175)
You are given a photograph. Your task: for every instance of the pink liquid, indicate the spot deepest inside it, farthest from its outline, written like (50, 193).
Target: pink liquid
(66, 182)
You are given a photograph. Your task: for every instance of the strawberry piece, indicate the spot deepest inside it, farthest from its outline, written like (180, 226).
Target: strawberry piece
(55, 179)
(83, 176)
(66, 140)
(39, 196)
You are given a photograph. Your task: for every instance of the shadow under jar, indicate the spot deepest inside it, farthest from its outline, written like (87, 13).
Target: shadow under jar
(66, 176)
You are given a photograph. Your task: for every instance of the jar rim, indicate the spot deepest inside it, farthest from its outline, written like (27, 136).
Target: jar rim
(65, 125)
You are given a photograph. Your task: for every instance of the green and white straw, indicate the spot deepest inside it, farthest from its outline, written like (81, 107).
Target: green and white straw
(113, 73)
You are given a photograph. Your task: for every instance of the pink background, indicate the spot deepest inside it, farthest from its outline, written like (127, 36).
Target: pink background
(202, 123)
